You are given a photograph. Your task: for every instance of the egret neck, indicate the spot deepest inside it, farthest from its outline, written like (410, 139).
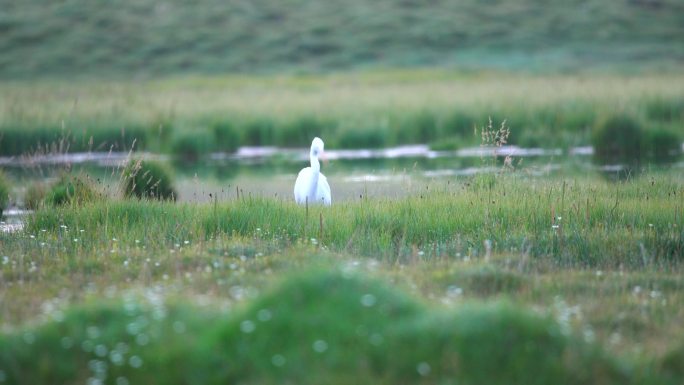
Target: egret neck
(315, 170)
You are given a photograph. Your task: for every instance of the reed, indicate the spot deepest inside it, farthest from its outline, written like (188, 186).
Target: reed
(348, 110)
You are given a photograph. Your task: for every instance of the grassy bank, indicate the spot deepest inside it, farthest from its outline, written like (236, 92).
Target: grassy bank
(330, 327)
(194, 116)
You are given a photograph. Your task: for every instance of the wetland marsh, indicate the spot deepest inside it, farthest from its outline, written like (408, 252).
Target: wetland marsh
(494, 261)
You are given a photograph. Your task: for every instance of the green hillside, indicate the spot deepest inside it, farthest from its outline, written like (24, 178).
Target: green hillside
(149, 37)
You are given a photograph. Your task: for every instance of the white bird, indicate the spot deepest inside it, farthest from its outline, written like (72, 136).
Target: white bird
(311, 186)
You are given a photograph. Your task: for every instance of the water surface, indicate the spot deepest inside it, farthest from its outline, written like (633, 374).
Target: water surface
(352, 174)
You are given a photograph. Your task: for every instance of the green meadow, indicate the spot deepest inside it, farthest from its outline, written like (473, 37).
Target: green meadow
(494, 279)
(79, 38)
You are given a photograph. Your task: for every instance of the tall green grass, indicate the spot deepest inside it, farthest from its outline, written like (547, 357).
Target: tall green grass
(38, 139)
(579, 222)
(191, 117)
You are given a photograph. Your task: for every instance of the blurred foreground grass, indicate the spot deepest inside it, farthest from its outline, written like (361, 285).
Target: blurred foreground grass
(330, 327)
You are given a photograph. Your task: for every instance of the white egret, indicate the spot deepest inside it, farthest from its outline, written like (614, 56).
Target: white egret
(311, 186)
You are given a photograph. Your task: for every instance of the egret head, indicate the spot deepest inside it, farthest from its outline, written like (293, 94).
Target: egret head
(317, 147)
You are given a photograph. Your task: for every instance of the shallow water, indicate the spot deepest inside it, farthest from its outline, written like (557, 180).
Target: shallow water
(259, 154)
(12, 220)
(352, 174)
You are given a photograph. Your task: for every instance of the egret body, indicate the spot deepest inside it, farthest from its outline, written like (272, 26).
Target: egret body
(312, 186)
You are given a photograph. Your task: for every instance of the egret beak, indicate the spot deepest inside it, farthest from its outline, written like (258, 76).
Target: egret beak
(323, 157)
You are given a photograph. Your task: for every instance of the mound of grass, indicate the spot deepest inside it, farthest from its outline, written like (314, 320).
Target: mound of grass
(35, 195)
(664, 145)
(622, 139)
(499, 343)
(109, 343)
(72, 190)
(316, 327)
(619, 139)
(4, 192)
(329, 328)
(672, 364)
(147, 180)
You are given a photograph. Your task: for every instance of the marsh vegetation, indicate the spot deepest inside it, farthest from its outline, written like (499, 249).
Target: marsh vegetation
(258, 289)
(487, 227)
(195, 116)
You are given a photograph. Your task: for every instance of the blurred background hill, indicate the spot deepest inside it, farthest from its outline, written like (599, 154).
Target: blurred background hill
(156, 38)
